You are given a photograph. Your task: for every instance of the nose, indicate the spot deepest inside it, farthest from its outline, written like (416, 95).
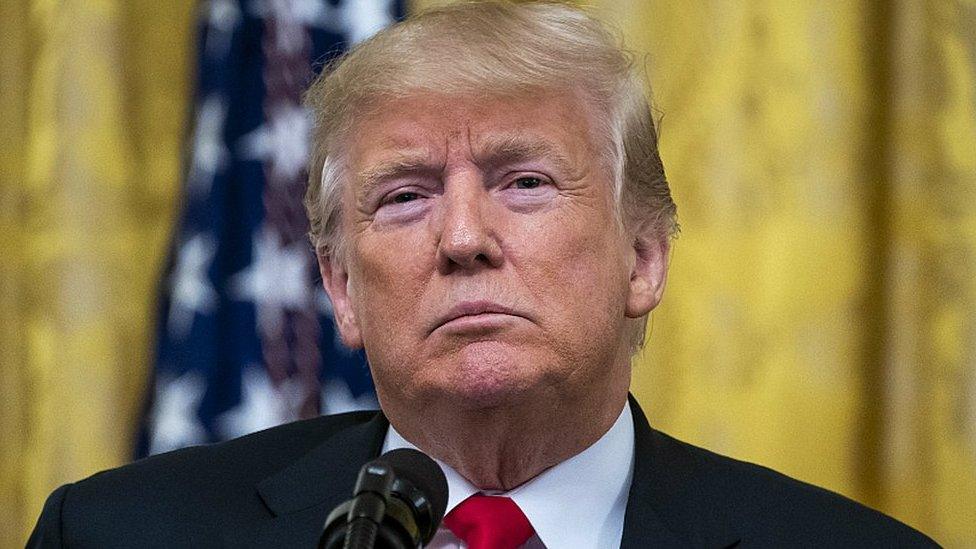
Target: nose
(467, 240)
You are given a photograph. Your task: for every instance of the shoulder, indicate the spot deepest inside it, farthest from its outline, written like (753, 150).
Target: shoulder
(765, 507)
(192, 487)
(248, 458)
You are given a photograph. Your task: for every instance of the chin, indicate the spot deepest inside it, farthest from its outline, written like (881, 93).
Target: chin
(483, 394)
(490, 375)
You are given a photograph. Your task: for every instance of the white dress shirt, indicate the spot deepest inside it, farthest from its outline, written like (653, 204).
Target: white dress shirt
(579, 503)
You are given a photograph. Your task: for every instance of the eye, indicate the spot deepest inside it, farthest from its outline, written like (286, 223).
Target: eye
(402, 202)
(403, 197)
(528, 182)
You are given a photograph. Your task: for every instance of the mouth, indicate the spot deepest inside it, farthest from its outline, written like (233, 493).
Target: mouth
(476, 315)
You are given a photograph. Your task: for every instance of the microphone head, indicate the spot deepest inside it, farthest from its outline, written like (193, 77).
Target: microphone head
(424, 475)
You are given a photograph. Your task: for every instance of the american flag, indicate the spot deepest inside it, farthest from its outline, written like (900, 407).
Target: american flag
(245, 338)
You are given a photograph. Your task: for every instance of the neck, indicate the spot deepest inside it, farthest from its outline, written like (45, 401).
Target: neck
(502, 447)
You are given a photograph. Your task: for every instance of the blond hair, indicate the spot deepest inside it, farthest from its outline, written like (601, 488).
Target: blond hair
(491, 47)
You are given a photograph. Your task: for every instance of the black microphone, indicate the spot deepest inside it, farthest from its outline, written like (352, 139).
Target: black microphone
(398, 503)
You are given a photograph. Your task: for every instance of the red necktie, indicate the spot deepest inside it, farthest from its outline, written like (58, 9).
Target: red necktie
(489, 522)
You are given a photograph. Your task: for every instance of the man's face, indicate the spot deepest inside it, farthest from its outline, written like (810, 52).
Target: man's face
(484, 261)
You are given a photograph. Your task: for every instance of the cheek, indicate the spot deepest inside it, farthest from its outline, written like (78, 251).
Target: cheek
(389, 276)
(582, 242)
(578, 271)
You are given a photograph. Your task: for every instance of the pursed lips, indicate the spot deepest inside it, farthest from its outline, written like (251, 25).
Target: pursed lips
(474, 308)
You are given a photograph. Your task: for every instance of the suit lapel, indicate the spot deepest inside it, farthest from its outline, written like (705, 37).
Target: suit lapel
(302, 495)
(643, 526)
(666, 506)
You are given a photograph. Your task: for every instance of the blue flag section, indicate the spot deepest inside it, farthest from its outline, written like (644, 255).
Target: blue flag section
(245, 338)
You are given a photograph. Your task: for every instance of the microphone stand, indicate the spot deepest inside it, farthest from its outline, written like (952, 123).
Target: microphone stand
(364, 523)
(397, 503)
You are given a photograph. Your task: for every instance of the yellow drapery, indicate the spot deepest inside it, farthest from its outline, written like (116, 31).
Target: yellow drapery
(821, 310)
(821, 314)
(93, 102)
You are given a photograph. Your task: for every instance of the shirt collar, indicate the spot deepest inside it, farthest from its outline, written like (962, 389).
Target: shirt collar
(580, 502)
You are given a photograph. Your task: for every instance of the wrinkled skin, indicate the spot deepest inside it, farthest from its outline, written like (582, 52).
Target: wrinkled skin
(487, 279)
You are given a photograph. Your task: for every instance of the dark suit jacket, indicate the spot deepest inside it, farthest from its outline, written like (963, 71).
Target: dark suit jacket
(275, 488)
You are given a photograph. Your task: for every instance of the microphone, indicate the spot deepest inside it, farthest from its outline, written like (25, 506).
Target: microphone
(398, 503)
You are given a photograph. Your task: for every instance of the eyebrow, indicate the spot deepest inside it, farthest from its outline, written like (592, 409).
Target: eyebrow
(514, 148)
(399, 164)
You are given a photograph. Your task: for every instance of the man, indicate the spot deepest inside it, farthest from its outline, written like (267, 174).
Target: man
(492, 223)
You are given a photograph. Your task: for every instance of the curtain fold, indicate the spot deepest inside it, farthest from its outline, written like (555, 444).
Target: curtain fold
(97, 94)
(821, 312)
(929, 450)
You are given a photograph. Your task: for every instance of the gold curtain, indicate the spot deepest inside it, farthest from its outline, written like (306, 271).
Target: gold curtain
(93, 96)
(821, 314)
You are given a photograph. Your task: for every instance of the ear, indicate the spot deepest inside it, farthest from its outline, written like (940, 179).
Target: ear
(335, 279)
(649, 274)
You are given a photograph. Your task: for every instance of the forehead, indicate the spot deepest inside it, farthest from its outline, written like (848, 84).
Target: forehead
(434, 127)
